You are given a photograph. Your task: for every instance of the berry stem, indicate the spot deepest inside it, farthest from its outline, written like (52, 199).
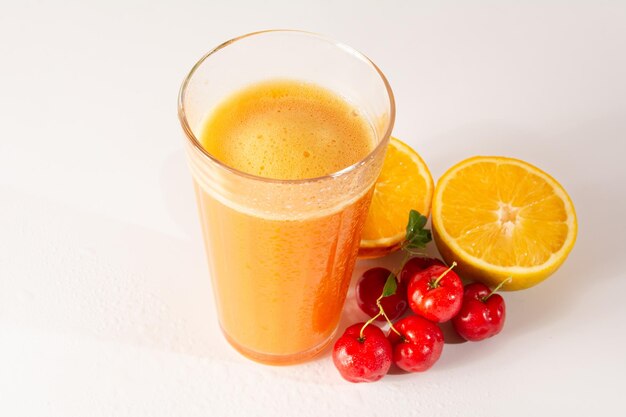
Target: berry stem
(382, 311)
(367, 323)
(407, 255)
(436, 283)
(497, 288)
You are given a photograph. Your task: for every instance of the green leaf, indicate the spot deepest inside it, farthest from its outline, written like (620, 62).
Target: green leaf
(390, 286)
(416, 235)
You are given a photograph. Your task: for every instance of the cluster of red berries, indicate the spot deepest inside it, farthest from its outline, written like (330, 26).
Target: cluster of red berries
(414, 343)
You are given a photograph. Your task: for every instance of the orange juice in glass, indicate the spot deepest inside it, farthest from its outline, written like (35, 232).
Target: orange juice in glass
(286, 134)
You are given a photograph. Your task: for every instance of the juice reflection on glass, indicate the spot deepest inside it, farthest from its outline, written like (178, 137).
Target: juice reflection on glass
(284, 151)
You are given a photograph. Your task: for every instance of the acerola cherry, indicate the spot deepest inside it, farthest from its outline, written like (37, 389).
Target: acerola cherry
(417, 264)
(435, 293)
(362, 358)
(419, 346)
(482, 314)
(370, 287)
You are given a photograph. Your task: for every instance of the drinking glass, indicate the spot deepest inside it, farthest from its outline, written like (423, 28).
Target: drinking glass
(281, 252)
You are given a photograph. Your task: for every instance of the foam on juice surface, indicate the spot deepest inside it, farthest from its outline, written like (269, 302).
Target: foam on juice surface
(287, 130)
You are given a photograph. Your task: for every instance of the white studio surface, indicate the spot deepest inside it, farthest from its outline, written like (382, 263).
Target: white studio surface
(105, 300)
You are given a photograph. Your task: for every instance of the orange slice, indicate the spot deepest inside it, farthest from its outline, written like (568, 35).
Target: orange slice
(499, 217)
(405, 183)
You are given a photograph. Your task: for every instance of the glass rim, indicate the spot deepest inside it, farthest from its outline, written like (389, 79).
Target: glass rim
(182, 116)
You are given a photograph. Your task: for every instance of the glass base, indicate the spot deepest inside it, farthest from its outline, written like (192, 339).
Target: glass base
(280, 360)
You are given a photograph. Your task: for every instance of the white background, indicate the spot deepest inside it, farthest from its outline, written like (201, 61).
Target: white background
(105, 302)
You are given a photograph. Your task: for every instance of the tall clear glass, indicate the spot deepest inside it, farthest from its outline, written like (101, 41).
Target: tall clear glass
(281, 252)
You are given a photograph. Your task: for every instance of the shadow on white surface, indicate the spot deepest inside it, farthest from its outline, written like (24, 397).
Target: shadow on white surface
(99, 278)
(178, 195)
(96, 277)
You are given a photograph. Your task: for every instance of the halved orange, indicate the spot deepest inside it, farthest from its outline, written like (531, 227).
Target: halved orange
(405, 183)
(500, 217)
